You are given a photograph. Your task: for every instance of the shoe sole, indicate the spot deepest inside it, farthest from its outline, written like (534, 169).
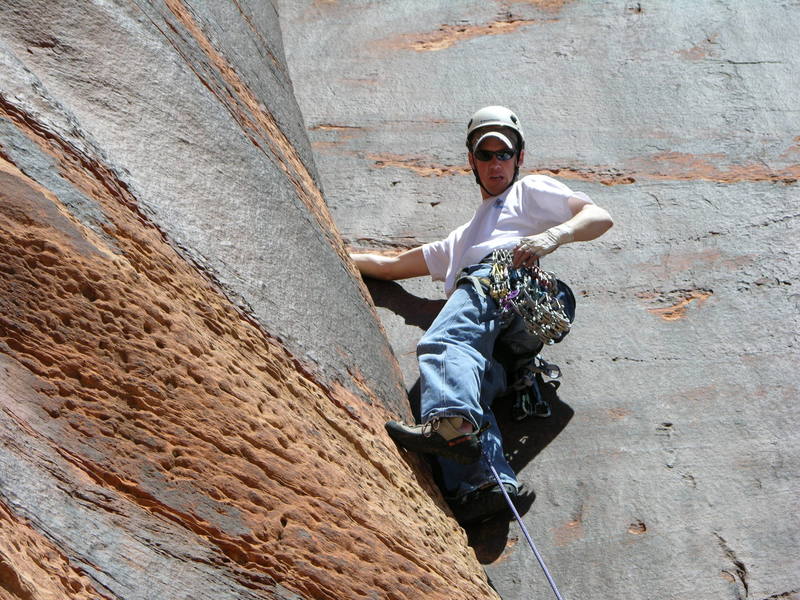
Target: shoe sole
(465, 450)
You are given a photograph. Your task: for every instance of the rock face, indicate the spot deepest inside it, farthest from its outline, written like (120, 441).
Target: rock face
(193, 383)
(670, 467)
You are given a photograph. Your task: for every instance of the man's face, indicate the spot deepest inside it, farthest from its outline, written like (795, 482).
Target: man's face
(495, 174)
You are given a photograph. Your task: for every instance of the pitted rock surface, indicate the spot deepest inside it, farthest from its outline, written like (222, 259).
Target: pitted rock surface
(193, 383)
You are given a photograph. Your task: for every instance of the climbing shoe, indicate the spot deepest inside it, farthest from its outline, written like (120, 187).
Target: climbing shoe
(442, 437)
(483, 504)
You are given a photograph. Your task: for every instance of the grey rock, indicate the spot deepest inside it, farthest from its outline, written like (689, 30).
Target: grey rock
(669, 469)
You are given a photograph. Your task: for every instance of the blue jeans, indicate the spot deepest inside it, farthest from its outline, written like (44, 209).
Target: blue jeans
(459, 378)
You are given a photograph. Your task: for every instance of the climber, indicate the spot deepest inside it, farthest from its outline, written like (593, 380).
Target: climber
(459, 376)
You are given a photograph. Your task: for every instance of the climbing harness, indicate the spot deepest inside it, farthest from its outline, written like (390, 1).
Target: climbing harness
(527, 535)
(531, 293)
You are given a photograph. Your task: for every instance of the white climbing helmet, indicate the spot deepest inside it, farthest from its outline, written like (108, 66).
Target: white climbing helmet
(495, 116)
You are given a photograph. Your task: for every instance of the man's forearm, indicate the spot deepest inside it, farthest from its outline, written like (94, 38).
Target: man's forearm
(589, 223)
(410, 263)
(373, 265)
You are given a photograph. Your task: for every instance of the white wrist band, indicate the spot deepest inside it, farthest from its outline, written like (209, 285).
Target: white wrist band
(564, 232)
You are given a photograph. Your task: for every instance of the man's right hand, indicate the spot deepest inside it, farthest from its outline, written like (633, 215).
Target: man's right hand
(530, 249)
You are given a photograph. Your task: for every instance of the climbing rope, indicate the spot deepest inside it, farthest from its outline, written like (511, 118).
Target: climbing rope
(531, 293)
(527, 535)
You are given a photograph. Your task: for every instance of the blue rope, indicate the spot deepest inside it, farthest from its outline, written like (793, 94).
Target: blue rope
(522, 526)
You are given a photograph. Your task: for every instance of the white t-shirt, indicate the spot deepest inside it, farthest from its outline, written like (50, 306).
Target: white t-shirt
(530, 206)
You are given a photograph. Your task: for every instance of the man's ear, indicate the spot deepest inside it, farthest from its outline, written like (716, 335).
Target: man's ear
(471, 160)
(521, 158)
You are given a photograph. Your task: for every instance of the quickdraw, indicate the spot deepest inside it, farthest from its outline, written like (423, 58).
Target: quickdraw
(529, 292)
(526, 375)
(528, 399)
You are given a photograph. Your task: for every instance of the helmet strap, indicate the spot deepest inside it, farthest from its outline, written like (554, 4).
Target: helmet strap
(513, 179)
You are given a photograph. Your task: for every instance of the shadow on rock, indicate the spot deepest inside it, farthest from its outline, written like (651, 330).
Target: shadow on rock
(524, 440)
(490, 540)
(419, 312)
(414, 399)
(416, 311)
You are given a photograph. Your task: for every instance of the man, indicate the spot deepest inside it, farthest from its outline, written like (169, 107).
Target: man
(458, 375)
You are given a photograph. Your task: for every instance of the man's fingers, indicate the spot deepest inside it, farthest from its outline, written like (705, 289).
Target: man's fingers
(519, 257)
(526, 257)
(529, 250)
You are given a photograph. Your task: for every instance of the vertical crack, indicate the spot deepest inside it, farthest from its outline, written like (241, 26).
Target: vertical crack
(739, 569)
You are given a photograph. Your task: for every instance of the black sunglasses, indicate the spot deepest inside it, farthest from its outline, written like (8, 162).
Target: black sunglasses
(486, 155)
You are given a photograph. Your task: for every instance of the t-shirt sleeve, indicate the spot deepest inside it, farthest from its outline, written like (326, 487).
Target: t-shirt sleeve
(437, 258)
(548, 198)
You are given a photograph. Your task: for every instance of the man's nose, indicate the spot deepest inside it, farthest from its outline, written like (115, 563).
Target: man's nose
(495, 161)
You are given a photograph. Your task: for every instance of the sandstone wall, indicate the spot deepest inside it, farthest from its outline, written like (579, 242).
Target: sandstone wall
(671, 466)
(193, 383)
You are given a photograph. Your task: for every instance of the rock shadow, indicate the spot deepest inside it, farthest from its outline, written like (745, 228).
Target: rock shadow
(522, 440)
(490, 540)
(416, 311)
